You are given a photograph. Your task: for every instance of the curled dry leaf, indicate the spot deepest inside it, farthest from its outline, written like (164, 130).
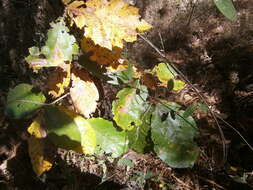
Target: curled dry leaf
(59, 80)
(107, 23)
(111, 59)
(83, 92)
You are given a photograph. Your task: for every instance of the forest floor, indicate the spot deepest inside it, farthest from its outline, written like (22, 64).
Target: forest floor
(214, 53)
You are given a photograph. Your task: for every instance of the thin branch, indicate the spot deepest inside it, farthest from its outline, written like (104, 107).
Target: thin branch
(161, 39)
(40, 103)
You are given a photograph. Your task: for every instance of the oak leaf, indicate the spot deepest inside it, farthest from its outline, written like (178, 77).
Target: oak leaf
(110, 59)
(107, 23)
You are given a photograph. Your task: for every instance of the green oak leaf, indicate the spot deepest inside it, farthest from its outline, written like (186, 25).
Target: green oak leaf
(129, 107)
(227, 8)
(23, 100)
(173, 136)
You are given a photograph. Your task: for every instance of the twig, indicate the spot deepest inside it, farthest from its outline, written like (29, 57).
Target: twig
(237, 133)
(191, 13)
(39, 103)
(211, 182)
(59, 99)
(181, 182)
(161, 39)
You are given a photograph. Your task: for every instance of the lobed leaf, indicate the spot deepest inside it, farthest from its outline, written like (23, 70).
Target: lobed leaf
(112, 60)
(107, 23)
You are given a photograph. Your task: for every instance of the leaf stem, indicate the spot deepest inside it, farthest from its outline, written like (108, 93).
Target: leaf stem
(40, 103)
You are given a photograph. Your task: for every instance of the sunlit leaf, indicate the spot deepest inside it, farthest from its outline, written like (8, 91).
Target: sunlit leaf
(178, 85)
(83, 92)
(129, 107)
(36, 148)
(102, 134)
(107, 23)
(60, 46)
(227, 8)
(166, 74)
(23, 100)
(173, 136)
(88, 135)
(70, 131)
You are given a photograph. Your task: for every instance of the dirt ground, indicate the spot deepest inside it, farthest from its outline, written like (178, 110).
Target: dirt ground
(214, 53)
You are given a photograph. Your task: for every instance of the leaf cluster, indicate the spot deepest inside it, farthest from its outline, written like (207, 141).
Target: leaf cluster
(141, 125)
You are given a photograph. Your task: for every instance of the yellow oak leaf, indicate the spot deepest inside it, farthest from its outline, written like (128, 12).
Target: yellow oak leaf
(58, 80)
(83, 92)
(111, 59)
(36, 148)
(107, 23)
